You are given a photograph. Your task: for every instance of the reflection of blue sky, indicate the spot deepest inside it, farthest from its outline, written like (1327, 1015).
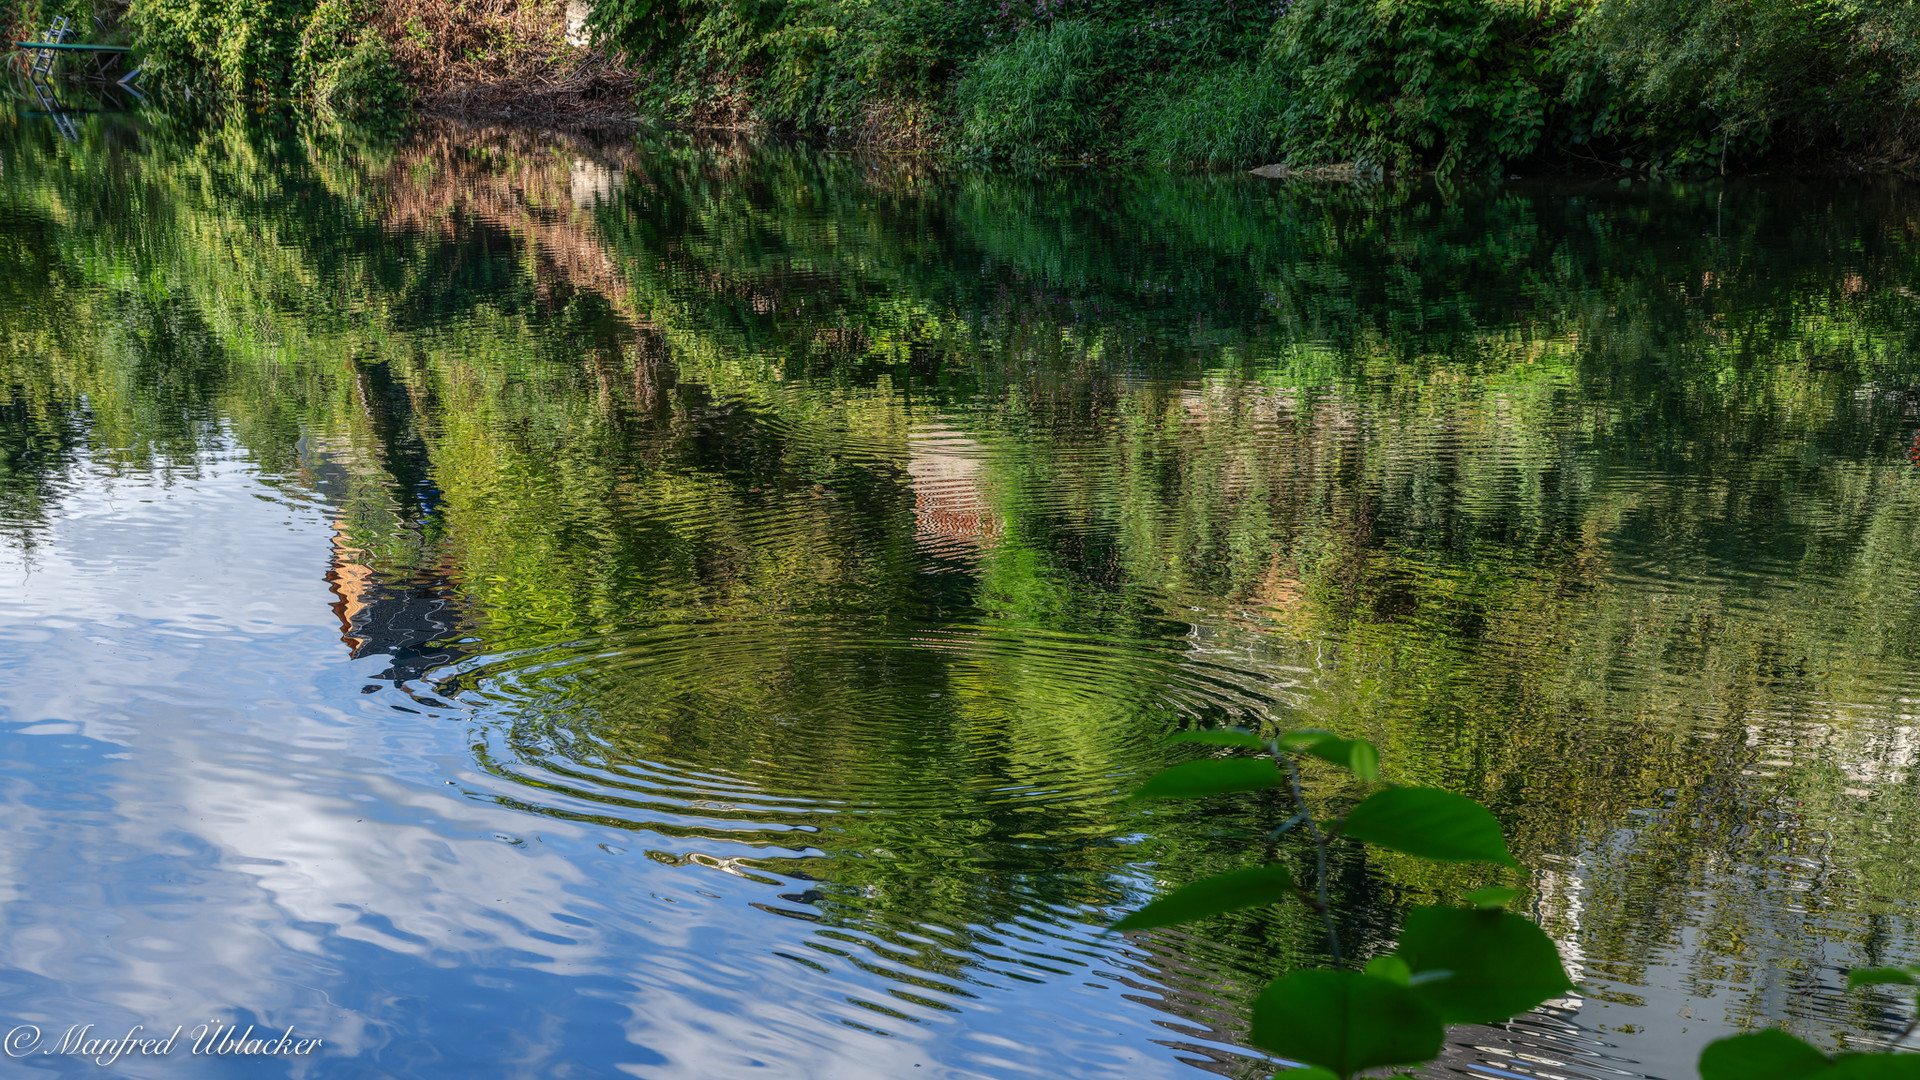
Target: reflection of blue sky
(206, 818)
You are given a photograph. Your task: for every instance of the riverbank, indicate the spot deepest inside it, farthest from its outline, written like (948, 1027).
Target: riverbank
(367, 59)
(1460, 88)
(1456, 87)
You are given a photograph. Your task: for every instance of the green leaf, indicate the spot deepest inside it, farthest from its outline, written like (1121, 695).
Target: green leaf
(1391, 968)
(1300, 738)
(1870, 1067)
(1220, 737)
(1211, 896)
(1502, 964)
(1364, 759)
(1215, 776)
(1430, 823)
(1762, 1055)
(1881, 977)
(1493, 896)
(1311, 1072)
(1357, 755)
(1345, 1021)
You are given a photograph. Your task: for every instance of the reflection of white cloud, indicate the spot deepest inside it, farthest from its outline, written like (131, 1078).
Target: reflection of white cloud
(206, 815)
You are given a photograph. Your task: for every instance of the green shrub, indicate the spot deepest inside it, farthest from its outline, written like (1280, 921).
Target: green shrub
(1233, 117)
(330, 32)
(1043, 96)
(363, 83)
(344, 65)
(1461, 86)
(235, 46)
(1700, 80)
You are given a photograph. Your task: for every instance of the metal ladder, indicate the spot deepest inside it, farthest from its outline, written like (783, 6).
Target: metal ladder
(50, 104)
(57, 33)
(43, 67)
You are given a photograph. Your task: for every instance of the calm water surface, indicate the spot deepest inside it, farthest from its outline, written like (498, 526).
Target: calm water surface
(532, 605)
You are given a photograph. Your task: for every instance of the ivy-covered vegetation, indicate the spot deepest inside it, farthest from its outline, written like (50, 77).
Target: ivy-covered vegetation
(1460, 86)
(353, 59)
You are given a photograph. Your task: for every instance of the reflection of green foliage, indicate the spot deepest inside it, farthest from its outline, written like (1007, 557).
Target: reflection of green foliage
(1588, 527)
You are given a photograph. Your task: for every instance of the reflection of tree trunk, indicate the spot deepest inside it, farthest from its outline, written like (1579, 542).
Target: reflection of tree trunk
(653, 370)
(392, 413)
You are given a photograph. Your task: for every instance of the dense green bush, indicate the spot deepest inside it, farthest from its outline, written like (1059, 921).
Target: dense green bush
(825, 65)
(235, 46)
(1044, 95)
(1233, 116)
(344, 65)
(809, 64)
(1453, 84)
(328, 52)
(1458, 85)
(1462, 87)
(364, 83)
(1696, 82)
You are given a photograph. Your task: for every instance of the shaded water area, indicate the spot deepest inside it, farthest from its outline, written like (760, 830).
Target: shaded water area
(554, 605)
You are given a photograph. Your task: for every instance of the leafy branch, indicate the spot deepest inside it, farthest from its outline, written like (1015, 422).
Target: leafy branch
(1453, 965)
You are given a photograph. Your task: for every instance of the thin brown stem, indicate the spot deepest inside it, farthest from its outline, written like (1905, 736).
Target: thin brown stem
(1320, 840)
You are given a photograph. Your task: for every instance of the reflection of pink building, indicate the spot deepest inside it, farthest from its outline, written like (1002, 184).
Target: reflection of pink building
(949, 505)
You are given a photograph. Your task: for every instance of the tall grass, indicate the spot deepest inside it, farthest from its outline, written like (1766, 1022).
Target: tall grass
(1044, 96)
(1236, 116)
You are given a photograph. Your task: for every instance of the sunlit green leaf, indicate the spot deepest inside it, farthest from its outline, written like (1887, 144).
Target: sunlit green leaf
(1502, 964)
(1345, 1021)
(1211, 896)
(1430, 823)
(1881, 977)
(1355, 755)
(1391, 968)
(1363, 759)
(1300, 738)
(1493, 896)
(1215, 776)
(1220, 737)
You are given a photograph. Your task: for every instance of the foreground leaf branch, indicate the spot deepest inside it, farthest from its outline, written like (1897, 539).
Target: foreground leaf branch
(1479, 964)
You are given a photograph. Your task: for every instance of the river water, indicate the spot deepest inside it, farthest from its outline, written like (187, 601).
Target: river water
(519, 604)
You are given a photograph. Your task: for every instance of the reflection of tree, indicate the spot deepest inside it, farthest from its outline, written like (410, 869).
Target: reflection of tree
(909, 508)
